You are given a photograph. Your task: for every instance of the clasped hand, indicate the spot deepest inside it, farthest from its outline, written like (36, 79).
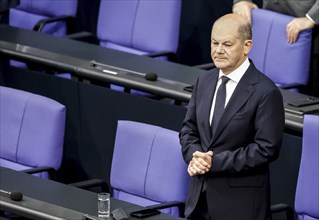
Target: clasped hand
(200, 163)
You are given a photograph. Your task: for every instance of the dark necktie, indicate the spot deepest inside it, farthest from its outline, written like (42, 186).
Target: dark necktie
(219, 104)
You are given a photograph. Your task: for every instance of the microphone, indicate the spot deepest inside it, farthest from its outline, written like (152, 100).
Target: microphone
(14, 195)
(150, 76)
(147, 76)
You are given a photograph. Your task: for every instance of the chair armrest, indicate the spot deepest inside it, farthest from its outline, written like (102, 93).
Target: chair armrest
(170, 55)
(180, 205)
(70, 23)
(83, 36)
(51, 171)
(281, 207)
(205, 66)
(87, 184)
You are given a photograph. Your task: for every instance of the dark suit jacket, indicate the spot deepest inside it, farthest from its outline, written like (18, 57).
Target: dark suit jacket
(247, 138)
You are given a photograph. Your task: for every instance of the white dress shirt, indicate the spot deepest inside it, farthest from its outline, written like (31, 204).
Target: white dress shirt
(234, 77)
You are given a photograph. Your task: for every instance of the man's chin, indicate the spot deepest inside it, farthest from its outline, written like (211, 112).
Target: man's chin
(219, 65)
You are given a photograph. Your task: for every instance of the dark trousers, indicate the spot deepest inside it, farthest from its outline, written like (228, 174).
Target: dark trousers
(201, 210)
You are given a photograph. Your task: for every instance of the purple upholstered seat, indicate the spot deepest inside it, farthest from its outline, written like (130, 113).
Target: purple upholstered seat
(147, 166)
(281, 61)
(31, 130)
(139, 27)
(307, 192)
(30, 12)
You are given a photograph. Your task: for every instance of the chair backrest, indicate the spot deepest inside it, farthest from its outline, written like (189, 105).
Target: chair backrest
(31, 130)
(147, 166)
(138, 26)
(307, 192)
(281, 61)
(29, 12)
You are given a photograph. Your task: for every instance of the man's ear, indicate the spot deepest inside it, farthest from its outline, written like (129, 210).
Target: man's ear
(247, 46)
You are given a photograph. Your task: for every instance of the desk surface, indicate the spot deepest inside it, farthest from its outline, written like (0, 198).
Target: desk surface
(57, 194)
(74, 57)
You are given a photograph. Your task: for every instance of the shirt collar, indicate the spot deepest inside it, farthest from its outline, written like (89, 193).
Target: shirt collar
(238, 73)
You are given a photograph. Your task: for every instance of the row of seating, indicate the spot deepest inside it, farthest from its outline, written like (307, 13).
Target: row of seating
(147, 166)
(152, 28)
(140, 27)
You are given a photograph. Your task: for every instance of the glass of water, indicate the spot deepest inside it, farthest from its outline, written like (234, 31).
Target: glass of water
(103, 205)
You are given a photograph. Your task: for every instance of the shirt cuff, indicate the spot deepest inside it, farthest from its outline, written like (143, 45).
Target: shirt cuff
(308, 16)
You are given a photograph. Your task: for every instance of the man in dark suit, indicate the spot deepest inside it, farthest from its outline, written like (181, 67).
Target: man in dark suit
(228, 153)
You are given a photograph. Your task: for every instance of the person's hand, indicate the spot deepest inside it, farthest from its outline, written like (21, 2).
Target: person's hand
(296, 26)
(244, 8)
(200, 164)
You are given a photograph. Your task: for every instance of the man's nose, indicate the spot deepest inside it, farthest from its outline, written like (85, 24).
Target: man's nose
(219, 49)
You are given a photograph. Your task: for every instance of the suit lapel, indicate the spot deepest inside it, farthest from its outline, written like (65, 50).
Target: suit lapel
(240, 96)
(209, 93)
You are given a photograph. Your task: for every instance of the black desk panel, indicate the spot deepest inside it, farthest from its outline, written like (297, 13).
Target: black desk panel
(294, 115)
(86, 52)
(74, 56)
(52, 199)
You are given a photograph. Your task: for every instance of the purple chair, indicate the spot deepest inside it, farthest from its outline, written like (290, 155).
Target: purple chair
(307, 192)
(54, 17)
(286, 64)
(149, 28)
(148, 168)
(140, 27)
(31, 131)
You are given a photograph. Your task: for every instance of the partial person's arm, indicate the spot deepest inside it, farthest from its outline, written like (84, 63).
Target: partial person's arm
(300, 24)
(296, 26)
(244, 8)
(313, 13)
